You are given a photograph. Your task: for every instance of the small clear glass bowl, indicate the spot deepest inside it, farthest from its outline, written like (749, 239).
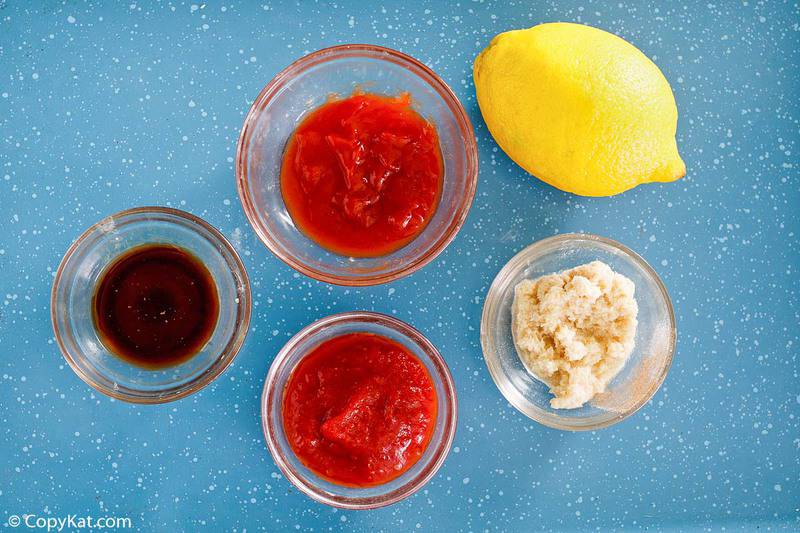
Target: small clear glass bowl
(641, 376)
(77, 278)
(305, 85)
(306, 480)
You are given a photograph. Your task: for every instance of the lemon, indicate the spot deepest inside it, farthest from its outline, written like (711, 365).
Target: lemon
(579, 108)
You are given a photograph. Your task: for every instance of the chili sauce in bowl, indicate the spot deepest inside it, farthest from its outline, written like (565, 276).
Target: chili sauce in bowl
(361, 176)
(361, 188)
(359, 409)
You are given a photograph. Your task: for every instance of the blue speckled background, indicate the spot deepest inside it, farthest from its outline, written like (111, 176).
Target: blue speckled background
(104, 107)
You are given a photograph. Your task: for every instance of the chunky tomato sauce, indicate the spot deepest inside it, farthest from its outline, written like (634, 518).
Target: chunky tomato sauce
(361, 176)
(359, 410)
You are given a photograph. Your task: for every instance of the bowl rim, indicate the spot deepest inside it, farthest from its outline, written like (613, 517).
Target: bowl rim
(226, 355)
(278, 453)
(510, 393)
(323, 55)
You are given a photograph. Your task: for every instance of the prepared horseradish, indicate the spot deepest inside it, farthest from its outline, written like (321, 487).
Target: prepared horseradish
(575, 330)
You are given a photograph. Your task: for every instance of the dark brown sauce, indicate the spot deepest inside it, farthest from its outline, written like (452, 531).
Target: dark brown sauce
(156, 306)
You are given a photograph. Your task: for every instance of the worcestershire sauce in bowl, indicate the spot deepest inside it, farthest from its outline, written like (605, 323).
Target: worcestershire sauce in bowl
(156, 306)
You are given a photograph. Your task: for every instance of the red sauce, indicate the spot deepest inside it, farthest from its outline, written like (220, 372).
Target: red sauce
(359, 410)
(361, 176)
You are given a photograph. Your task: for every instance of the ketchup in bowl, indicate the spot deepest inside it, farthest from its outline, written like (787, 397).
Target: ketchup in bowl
(362, 176)
(359, 409)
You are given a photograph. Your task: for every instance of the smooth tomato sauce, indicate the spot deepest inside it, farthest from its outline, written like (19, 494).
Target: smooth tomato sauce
(361, 176)
(359, 410)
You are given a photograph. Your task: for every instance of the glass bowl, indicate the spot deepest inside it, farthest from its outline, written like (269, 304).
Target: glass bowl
(644, 371)
(306, 480)
(78, 276)
(306, 84)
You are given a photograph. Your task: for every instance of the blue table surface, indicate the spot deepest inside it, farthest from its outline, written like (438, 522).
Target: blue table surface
(105, 106)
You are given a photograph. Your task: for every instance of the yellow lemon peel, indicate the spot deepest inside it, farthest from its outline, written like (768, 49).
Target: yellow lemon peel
(579, 108)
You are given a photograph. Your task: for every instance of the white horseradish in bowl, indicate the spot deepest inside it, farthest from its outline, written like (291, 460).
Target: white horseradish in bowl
(575, 330)
(574, 371)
